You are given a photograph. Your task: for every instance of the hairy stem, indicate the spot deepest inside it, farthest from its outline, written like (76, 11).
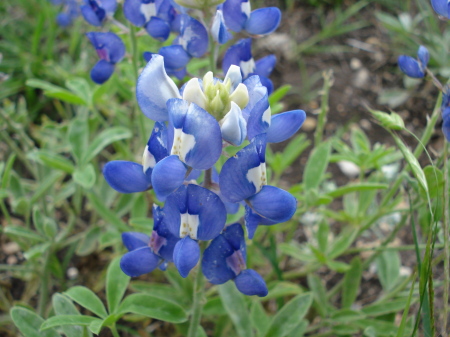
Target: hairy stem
(198, 302)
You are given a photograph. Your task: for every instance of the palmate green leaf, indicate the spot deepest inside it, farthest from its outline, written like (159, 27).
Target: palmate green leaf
(164, 291)
(320, 294)
(352, 280)
(106, 213)
(89, 242)
(80, 87)
(279, 289)
(236, 307)
(85, 176)
(87, 299)
(260, 321)
(289, 316)
(29, 323)
(343, 241)
(116, 284)
(154, 307)
(292, 249)
(104, 139)
(23, 233)
(317, 165)
(61, 320)
(64, 306)
(299, 330)
(51, 90)
(214, 307)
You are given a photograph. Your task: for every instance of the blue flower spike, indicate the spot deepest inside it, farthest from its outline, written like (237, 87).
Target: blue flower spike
(225, 259)
(95, 12)
(415, 68)
(238, 16)
(110, 49)
(147, 253)
(192, 213)
(442, 8)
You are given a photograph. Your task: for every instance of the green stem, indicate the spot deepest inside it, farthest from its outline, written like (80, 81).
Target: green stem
(445, 225)
(45, 278)
(114, 331)
(198, 302)
(324, 107)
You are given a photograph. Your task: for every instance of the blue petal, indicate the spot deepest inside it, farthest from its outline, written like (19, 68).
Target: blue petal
(108, 45)
(441, 7)
(253, 220)
(126, 176)
(175, 57)
(154, 88)
(166, 251)
(233, 181)
(263, 21)
(138, 262)
(178, 73)
(234, 17)
(214, 265)
(219, 30)
(237, 53)
(203, 127)
(249, 282)
(93, 14)
(132, 12)
(256, 92)
(210, 209)
(194, 35)
(109, 6)
(410, 66)
(158, 29)
(273, 203)
(148, 55)
(102, 71)
(264, 66)
(235, 237)
(63, 19)
(265, 81)
(424, 56)
(234, 126)
(135, 240)
(186, 255)
(446, 124)
(284, 125)
(259, 118)
(167, 176)
(157, 143)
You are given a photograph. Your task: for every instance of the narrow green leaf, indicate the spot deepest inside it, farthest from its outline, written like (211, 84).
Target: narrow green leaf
(402, 327)
(299, 330)
(356, 188)
(29, 323)
(7, 171)
(214, 307)
(154, 307)
(53, 160)
(343, 242)
(116, 284)
(78, 135)
(45, 185)
(104, 139)
(86, 298)
(106, 213)
(80, 87)
(278, 94)
(64, 306)
(260, 321)
(235, 305)
(96, 326)
(388, 268)
(292, 249)
(385, 307)
(352, 280)
(51, 90)
(320, 294)
(346, 315)
(89, 242)
(317, 165)
(391, 121)
(23, 233)
(85, 176)
(289, 316)
(61, 320)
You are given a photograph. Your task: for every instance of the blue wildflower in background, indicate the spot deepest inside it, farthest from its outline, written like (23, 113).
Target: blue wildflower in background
(412, 67)
(110, 49)
(442, 7)
(95, 12)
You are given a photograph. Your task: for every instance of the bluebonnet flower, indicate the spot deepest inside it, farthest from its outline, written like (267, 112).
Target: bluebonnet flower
(219, 30)
(240, 54)
(442, 7)
(69, 12)
(192, 42)
(225, 259)
(110, 49)
(192, 213)
(159, 17)
(415, 68)
(129, 177)
(146, 253)
(244, 178)
(445, 108)
(238, 16)
(95, 12)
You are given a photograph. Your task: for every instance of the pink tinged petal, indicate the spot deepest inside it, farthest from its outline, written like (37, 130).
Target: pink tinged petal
(138, 262)
(156, 242)
(249, 282)
(135, 240)
(154, 88)
(167, 176)
(285, 125)
(186, 255)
